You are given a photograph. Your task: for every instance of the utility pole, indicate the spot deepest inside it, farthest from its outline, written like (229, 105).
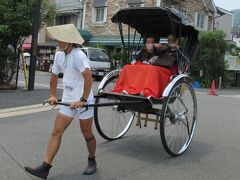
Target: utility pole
(33, 60)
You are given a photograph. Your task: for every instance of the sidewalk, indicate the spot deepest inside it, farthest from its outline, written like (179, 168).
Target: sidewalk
(223, 92)
(23, 97)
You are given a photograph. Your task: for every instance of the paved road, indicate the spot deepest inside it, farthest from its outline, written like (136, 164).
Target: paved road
(213, 154)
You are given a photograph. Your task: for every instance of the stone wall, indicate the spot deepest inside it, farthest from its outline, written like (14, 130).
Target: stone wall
(190, 6)
(105, 28)
(109, 28)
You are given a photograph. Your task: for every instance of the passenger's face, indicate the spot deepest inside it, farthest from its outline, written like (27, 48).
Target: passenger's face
(150, 43)
(150, 40)
(170, 39)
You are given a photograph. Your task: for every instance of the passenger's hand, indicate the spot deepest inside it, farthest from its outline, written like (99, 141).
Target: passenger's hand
(158, 45)
(77, 104)
(173, 45)
(52, 100)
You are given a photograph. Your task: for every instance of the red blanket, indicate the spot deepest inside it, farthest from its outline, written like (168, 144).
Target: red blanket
(143, 78)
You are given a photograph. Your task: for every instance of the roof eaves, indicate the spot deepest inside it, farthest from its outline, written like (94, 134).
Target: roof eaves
(210, 5)
(223, 11)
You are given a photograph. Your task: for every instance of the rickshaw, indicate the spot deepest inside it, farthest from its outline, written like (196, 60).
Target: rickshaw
(175, 112)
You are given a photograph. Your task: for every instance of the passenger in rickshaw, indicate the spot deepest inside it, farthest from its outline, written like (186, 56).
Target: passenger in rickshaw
(172, 42)
(150, 49)
(151, 72)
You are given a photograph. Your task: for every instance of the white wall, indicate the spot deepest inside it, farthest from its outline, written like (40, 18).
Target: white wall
(224, 23)
(159, 3)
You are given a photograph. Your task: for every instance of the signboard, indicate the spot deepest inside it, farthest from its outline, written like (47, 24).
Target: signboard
(233, 63)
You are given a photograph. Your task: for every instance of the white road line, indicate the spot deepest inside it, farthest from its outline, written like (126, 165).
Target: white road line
(231, 96)
(201, 93)
(23, 110)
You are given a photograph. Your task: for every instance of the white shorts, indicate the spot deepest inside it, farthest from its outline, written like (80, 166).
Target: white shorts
(82, 113)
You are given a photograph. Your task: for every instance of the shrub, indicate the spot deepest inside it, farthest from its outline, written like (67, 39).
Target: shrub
(210, 59)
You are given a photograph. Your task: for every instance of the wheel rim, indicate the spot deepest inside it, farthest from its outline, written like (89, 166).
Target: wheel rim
(179, 119)
(112, 122)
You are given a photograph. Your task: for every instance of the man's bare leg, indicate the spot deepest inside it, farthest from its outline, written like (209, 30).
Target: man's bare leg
(61, 123)
(86, 128)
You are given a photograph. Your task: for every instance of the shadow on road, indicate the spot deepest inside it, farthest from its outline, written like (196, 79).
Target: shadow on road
(150, 149)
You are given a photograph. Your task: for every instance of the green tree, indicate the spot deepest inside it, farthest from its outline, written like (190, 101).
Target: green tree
(210, 58)
(15, 25)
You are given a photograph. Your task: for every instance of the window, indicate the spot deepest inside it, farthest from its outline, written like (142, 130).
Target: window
(99, 14)
(201, 21)
(63, 20)
(134, 3)
(66, 19)
(99, 11)
(98, 55)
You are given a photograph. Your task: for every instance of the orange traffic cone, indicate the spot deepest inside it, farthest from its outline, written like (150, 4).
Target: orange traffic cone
(213, 90)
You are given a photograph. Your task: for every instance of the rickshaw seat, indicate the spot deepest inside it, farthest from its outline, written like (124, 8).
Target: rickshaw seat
(143, 78)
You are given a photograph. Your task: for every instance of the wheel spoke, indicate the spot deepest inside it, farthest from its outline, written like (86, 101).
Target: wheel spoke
(178, 119)
(112, 122)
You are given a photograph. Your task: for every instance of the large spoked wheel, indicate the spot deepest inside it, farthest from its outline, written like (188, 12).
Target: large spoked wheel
(112, 122)
(178, 118)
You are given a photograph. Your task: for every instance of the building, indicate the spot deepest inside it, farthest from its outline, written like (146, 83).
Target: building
(223, 20)
(69, 11)
(98, 13)
(93, 18)
(200, 12)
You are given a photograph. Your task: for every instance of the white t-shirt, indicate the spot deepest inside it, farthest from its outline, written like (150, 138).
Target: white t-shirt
(72, 65)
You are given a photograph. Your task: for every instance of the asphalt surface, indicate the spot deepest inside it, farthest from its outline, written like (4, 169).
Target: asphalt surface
(23, 97)
(139, 155)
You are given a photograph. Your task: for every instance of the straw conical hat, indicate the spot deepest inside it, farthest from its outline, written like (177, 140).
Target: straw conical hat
(65, 33)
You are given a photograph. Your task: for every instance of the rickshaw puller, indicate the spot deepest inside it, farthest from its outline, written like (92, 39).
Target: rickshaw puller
(77, 82)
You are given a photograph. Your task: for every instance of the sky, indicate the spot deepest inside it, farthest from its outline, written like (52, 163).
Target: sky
(228, 4)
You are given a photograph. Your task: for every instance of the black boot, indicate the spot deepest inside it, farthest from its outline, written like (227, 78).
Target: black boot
(91, 167)
(40, 171)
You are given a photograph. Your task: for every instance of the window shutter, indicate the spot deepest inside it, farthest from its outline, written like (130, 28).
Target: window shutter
(134, 1)
(196, 19)
(93, 14)
(206, 22)
(105, 14)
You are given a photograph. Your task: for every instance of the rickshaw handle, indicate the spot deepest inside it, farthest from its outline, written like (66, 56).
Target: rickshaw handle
(97, 104)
